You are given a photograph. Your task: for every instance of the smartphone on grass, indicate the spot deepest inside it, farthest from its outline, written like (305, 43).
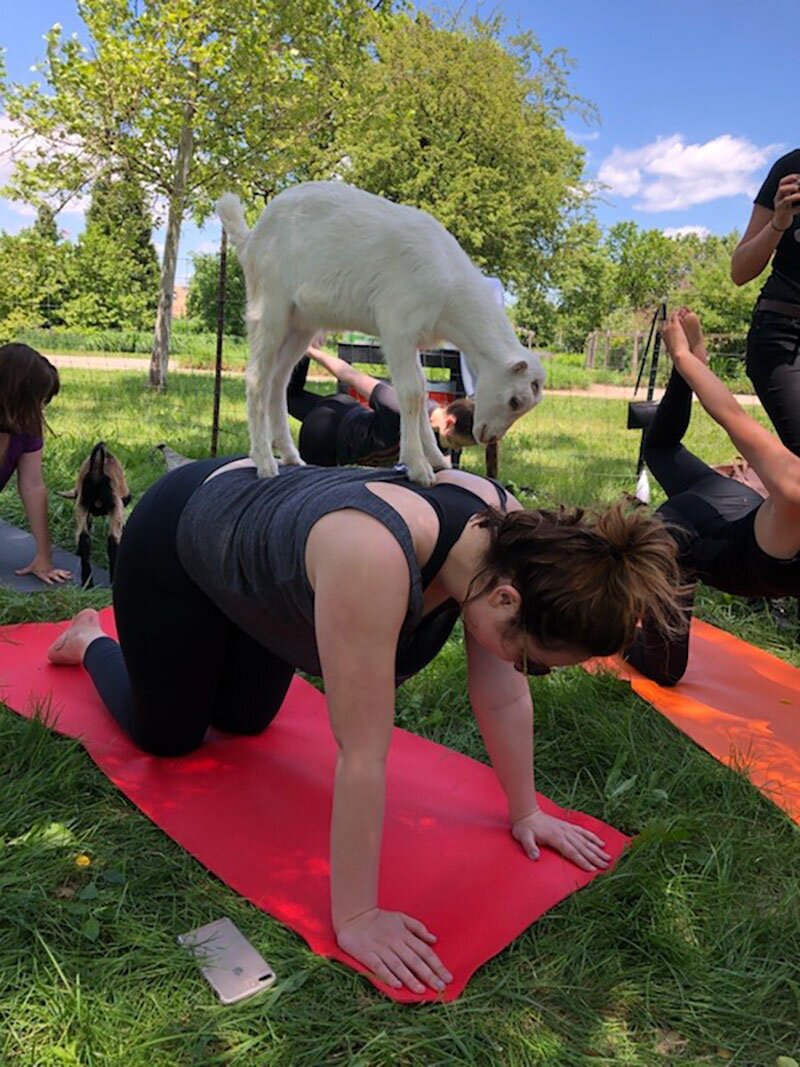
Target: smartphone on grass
(234, 969)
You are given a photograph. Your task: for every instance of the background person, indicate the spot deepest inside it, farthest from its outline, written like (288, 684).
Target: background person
(729, 536)
(339, 431)
(28, 382)
(773, 343)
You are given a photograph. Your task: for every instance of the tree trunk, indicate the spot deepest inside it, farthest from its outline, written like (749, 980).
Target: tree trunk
(159, 358)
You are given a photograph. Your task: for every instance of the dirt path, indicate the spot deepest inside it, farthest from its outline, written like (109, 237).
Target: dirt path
(594, 392)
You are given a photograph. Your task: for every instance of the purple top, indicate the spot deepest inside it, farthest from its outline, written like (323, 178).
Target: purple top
(18, 444)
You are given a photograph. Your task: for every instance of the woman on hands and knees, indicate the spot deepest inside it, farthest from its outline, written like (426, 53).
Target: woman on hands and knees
(729, 536)
(226, 583)
(28, 382)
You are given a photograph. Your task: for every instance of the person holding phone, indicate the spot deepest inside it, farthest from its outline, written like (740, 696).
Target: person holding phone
(773, 343)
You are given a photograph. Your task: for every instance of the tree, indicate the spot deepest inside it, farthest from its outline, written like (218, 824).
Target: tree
(649, 265)
(722, 306)
(585, 279)
(190, 97)
(204, 293)
(467, 125)
(35, 272)
(45, 225)
(114, 270)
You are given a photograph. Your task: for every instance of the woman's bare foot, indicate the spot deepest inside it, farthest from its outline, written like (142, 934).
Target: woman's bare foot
(694, 333)
(70, 647)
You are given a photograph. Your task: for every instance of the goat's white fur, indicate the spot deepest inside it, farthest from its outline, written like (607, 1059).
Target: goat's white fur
(325, 255)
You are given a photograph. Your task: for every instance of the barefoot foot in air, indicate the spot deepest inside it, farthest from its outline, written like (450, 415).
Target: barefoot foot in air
(694, 333)
(71, 645)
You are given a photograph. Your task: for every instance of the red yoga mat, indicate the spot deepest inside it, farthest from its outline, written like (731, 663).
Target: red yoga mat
(256, 812)
(740, 704)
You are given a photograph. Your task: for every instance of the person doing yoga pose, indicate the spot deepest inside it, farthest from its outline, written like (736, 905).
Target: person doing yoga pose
(773, 343)
(226, 583)
(28, 382)
(338, 431)
(729, 536)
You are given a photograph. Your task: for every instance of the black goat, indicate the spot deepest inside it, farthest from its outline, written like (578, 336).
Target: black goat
(100, 489)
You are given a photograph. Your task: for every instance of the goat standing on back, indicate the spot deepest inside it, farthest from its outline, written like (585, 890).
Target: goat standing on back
(325, 255)
(101, 489)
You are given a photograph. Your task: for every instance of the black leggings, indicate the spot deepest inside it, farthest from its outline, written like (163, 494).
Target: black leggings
(773, 366)
(700, 498)
(320, 417)
(180, 665)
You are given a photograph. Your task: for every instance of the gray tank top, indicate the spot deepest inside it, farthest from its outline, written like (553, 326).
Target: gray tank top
(242, 540)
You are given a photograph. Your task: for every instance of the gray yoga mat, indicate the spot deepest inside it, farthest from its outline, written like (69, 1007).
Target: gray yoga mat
(17, 549)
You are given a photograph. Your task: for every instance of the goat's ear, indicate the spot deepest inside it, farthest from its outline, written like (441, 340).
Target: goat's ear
(519, 367)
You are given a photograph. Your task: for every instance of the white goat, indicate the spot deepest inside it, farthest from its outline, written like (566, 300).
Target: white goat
(325, 255)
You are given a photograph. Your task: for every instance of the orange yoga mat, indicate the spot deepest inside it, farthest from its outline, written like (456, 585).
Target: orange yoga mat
(256, 812)
(740, 704)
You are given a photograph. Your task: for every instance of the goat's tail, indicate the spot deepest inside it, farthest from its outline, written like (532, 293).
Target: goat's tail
(97, 461)
(231, 213)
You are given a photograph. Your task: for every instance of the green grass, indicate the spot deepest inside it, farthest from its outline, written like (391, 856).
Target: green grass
(686, 954)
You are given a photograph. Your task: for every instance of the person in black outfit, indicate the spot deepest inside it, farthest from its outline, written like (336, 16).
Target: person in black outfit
(773, 343)
(728, 535)
(339, 431)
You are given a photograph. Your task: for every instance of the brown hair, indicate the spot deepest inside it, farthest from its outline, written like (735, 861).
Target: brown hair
(28, 381)
(463, 411)
(585, 580)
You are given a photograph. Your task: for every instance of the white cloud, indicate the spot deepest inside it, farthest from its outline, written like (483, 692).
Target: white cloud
(670, 175)
(683, 231)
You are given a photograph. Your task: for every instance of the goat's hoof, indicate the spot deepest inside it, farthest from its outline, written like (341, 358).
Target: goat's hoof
(268, 471)
(266, 465)
(422, 474)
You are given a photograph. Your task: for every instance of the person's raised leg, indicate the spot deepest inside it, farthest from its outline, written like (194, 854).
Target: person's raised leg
(674, 466)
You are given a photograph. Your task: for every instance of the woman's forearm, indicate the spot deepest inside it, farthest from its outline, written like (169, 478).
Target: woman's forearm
(356, 829)
(34, 500)
(508, 736)
(343, 372)
(770, 459)
(751, 257)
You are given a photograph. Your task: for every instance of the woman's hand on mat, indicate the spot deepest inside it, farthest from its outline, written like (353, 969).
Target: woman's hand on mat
(396, 948)
(45, 571)
(581, 846)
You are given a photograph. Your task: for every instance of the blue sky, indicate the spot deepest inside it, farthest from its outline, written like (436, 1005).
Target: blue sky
(694, 99)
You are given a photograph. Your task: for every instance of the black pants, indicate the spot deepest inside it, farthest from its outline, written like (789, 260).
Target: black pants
(773, 366)
(699, 498)
(180, 665)
(700, 502)
(320, 417)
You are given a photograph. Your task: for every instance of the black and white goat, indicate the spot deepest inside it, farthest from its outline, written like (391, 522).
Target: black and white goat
(328, 255)
(100, 490)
